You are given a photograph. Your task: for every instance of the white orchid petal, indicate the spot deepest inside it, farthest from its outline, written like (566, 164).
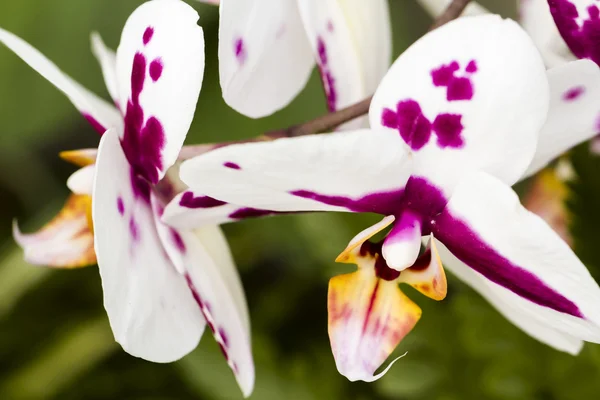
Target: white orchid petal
(108, 63)
(264, 57)
(189, 210)
(574, 111)
(98, 112)
(82, 180)
(361, 171)
(436, 7)
(469, 95)
(536, 19)
(486, 227)
(151, 310)
(160, 66)
(351, 41)
(511, 305)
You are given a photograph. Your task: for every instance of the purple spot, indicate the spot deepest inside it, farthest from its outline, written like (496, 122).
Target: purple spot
(457, 88)
(240, 50)
(582, 38)
(381, 268)
(142, 142)
(190, 201)
(156, 69)
(414, 127)
(148, 33)
(120, 206)
(471, 67)
(224, 337)
(327, 78)
(329, 26)
(134, 229)
(443, 75)
(448, 128)
(95, 124)
(231, 165)
(248, 212)
(195, 293)
(573, 93)
(467, 246)
(460, 89)
(178, 241)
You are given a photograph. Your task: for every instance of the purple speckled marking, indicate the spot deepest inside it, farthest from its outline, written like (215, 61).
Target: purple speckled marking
(327, 78)
(471, 67)
(248, 212)
(573, 93)
(156, 69)
(428, 203)
(221, 340)
(467, 246)
(148, 33)
(457, 87)
(95, 124)
(448, 129)
(224, 337)
(239, 49)
(142, 142)
(190, 201)
(231, 165)
(408, 119)
(178, 241)
(120, 206)
(415, 129)
(384, 203)
(134, 230)
(582, 37)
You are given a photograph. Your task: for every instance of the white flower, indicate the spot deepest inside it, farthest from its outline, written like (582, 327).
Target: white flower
(162, 286)
(459, 118)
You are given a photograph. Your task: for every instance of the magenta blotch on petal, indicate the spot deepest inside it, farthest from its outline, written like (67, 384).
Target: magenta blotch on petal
(573, 93)
(148, 33)
(239, 49)
(413, 126)
(190, 201)
(448, 129)
(231, 165)
(156, 68)
(120, 206)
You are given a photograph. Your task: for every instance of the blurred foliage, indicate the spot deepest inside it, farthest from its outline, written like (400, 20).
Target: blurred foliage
(55, 342)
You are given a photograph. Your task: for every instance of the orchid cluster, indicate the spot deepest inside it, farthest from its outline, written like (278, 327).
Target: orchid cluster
(463, 114)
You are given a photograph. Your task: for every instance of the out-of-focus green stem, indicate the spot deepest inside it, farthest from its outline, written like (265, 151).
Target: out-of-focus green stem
(62, 362)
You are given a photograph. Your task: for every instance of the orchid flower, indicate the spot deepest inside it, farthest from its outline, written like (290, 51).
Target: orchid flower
(161, 286)
(267, 50)
(563, 31)
(459, 118)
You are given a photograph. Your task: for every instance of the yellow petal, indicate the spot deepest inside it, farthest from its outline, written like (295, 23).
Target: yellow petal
(81, 158)
(348, 256)
(368, 317)
(67, 241)
(427, 274)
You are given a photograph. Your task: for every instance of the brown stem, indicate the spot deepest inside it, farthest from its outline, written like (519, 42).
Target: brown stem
(330, 121)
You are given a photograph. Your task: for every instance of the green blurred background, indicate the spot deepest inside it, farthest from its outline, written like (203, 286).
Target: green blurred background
(55, 342)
